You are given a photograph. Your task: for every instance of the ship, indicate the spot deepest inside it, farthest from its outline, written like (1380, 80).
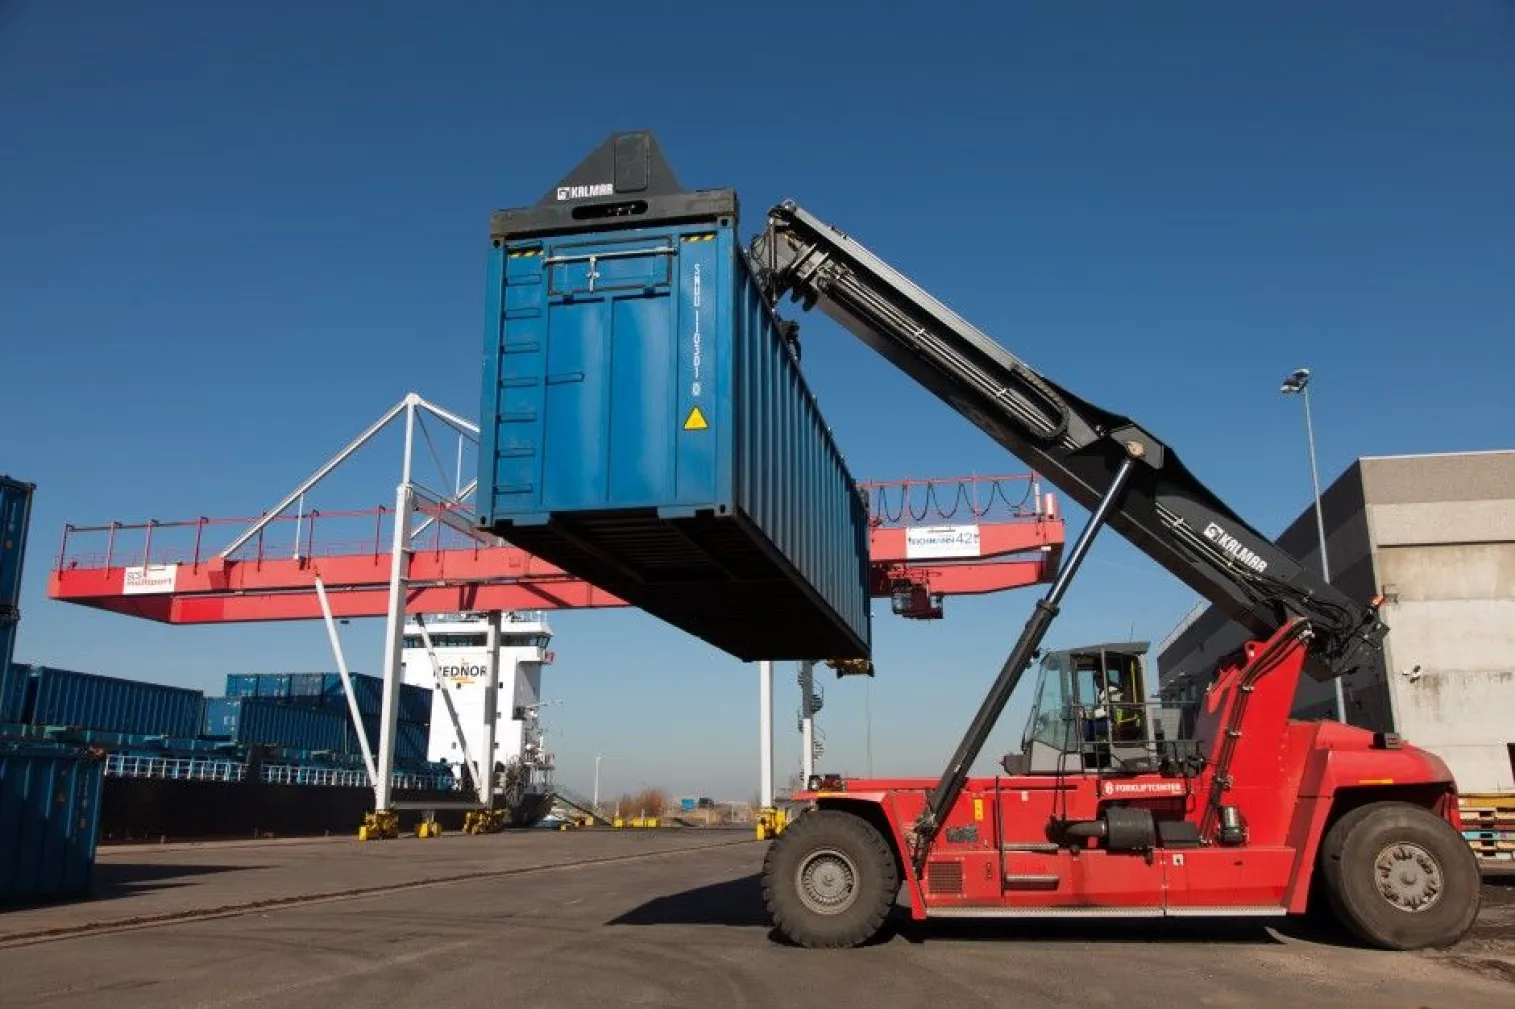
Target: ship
(192, 782)
(520, 761)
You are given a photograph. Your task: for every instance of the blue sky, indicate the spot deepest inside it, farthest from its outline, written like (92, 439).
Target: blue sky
(231, 237)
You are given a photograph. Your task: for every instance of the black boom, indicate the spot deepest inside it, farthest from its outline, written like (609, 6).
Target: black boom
(1165, 511)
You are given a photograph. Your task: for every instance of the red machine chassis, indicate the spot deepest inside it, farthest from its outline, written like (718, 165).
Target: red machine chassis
(997, 854)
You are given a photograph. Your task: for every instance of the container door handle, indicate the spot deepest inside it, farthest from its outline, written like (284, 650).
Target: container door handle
(593, 258)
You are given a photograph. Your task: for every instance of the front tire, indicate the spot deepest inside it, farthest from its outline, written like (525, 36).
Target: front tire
(829, 880)
(1400, 877)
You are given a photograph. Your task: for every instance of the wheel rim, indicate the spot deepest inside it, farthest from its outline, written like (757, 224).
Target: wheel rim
(1409, 877)
(827, 881)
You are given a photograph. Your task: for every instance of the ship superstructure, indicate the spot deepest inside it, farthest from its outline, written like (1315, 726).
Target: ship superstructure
(459, 642)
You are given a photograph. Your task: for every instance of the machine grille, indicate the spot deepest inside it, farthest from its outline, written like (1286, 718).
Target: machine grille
(944, 877)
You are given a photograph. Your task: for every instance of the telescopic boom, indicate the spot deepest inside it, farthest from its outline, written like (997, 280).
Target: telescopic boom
(1165, 510)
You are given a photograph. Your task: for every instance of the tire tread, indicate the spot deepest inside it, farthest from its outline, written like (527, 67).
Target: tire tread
(1346, 868)
(879, 880)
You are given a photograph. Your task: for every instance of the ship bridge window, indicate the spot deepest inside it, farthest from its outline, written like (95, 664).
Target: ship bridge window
(447, 641)
(479, 640)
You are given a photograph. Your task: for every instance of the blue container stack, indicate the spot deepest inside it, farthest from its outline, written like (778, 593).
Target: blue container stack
(49, 821)
(646, 427)
(322, 694)
(324, 690)
(260, 721)
(106, 703)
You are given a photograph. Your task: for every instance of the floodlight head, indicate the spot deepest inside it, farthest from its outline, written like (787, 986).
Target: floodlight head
(1296, 381)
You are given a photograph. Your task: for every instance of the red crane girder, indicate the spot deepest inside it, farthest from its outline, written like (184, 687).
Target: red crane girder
(185, 586)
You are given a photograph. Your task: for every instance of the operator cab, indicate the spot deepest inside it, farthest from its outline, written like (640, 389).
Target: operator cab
(1090, 714)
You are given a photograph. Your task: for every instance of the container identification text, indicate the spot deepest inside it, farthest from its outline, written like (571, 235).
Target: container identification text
(695, 385)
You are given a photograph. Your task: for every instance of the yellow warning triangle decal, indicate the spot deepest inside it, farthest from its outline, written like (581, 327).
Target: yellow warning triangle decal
(695, 421)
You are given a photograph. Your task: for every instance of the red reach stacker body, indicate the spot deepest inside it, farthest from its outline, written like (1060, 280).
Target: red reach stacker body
(1250, 817)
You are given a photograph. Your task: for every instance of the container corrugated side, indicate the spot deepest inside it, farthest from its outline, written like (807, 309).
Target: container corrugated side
(325, 691)
(411, 739)
(12, 678)
(411, 742)
(415, 701)
(647, 428)
(266, 722)
(15, 518)
(91, 701)
(49, 822)
(415, 704)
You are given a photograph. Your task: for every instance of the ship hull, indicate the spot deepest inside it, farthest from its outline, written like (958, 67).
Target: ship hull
(135, 810)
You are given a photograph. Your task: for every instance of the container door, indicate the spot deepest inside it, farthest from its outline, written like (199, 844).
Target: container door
(611, 370)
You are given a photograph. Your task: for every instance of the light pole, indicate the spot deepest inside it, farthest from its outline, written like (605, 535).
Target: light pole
(1298, 383)
(597, 758)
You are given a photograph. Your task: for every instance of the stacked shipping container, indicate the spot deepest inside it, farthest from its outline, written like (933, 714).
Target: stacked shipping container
(324, 690)
(15, 517)
(256, 721)
(321, 702)
(109, 704)
(294, 711)
(12, 694)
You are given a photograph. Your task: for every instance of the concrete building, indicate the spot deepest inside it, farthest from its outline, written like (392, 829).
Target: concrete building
(1436, 535)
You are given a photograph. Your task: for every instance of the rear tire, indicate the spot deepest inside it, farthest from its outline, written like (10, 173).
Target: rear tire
(1400, 877)
(829, 880)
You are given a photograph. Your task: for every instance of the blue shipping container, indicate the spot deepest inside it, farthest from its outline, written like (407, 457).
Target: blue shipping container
(241, 685)
(220, 721)
(258, 685)
(90, 701)
(307, 684)
(49, 821)
(645, 425)
(258, 721)
(12, 684)
(324, 691)
(15, 518)
(415, 704)
(411, 740)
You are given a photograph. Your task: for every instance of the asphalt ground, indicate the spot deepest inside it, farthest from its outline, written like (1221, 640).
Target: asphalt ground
(656, 918)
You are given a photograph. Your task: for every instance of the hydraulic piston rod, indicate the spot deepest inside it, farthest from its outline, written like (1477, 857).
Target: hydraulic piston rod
(951, 784)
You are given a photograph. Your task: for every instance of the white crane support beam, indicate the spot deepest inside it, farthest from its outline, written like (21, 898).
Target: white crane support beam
(352, 699)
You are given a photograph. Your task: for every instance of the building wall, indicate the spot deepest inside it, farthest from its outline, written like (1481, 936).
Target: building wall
(1443, 530)
(1436, 535)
